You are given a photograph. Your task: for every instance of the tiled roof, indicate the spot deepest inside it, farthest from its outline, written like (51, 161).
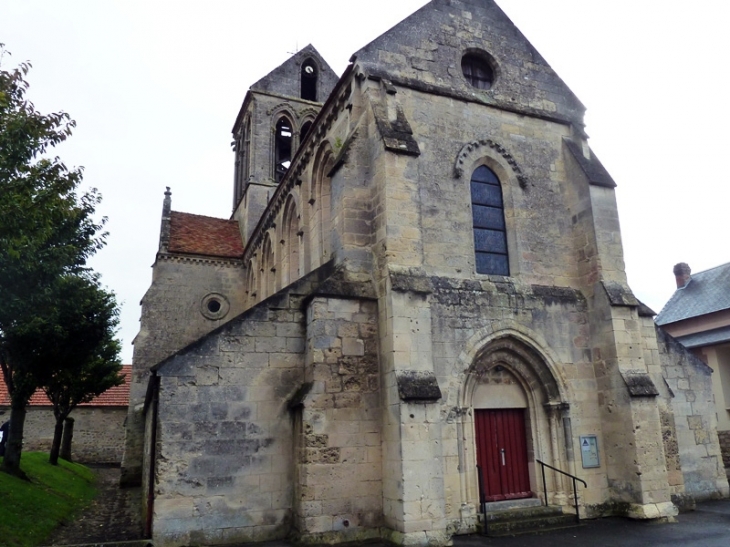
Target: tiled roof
(706, 292)
(207, 236)
(116, 396)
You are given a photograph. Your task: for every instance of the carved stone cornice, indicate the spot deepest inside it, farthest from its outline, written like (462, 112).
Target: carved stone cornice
(190, 259)
(473, 149)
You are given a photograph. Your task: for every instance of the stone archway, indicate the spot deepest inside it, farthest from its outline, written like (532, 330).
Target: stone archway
(507, 372)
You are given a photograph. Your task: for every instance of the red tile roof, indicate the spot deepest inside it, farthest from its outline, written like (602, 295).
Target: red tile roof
(116, 396)
(207, 236)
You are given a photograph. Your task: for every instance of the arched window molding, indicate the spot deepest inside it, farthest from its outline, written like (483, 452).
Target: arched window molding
(251, 287)
(490, 231)
(268, 269)
(321, 213)
(292, 243)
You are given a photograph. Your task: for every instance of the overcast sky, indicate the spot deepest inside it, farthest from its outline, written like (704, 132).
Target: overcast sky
(155, 87)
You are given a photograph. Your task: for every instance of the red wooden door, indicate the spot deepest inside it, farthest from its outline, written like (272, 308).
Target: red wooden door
(502, 453)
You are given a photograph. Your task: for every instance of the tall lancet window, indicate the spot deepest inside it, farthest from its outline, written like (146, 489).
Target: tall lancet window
(309, 80)
(490, 234)
(283, 146)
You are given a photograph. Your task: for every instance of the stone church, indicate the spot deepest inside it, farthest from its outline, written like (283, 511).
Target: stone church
(420, 295)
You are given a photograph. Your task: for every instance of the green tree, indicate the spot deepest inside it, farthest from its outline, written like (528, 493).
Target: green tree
(78, 339)
(47, 230)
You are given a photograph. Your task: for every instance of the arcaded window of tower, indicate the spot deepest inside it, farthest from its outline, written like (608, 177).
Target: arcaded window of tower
(304, 131)
(283, 147)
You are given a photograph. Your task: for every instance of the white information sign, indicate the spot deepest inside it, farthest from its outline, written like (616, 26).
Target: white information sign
(589, 451)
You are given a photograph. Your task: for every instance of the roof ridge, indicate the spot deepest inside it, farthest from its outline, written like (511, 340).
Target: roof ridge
(114, 396)
(204, 216)
(710, 269)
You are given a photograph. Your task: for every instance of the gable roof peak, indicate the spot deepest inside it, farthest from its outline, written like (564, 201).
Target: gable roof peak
(426, 50)
(285, 79)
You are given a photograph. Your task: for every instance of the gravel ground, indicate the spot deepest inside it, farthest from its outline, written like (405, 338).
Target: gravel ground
(114, 515)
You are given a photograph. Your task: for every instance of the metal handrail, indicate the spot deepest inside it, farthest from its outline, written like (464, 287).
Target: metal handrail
(543, 465)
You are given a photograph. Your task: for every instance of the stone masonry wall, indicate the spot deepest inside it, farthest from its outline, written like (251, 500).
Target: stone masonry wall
(467, 315)
(338, 488)
(689, 381)
(172, 318)
(171, 308)
(225, 469)
(424, 49)
(98, 433)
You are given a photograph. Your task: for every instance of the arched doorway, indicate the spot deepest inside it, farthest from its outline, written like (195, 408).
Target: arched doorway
(512, 409)
(501, 436)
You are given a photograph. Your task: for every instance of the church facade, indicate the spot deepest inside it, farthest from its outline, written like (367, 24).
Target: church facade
(419, 296)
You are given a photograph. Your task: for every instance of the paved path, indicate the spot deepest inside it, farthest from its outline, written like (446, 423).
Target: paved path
(114, 515)
(708, 526)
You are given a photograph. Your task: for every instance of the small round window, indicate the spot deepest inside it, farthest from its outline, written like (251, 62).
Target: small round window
(477, 70)
(214, 306)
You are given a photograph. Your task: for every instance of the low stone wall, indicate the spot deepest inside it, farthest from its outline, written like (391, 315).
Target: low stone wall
(98, 432)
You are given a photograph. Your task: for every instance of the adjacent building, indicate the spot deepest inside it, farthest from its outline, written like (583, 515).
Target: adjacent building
(98, 434)
(698, 316)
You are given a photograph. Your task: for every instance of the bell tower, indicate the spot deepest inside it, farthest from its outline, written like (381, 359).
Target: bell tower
(276, 115)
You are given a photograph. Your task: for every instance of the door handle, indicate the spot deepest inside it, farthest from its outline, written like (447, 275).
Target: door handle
(501, 451)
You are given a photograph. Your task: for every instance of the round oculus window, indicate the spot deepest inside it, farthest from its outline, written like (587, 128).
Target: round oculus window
(477, 70)
(214, 306)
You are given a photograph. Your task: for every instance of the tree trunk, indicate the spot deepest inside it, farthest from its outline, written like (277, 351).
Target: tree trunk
(68, 435)
(14, 446)
(56, 445)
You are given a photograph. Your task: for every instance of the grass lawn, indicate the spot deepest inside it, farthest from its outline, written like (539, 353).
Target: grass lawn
(29, 511)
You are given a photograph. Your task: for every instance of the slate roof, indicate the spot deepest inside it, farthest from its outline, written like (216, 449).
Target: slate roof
(207, 236)
(706, 292)
(708, 338)
(116, 396)
(593, 168)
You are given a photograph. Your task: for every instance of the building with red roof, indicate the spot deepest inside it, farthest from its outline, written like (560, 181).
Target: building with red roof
(98, 424)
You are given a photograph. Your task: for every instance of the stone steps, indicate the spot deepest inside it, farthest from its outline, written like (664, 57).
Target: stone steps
(524, 517)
